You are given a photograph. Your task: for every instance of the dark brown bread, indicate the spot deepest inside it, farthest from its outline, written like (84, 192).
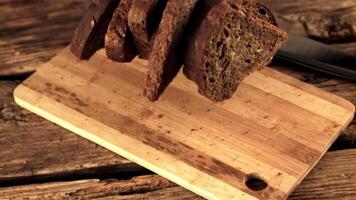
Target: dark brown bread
(143, 20)
(90, 32)
(119, 44)
(259, 10)
(229, 44)
(166, 57)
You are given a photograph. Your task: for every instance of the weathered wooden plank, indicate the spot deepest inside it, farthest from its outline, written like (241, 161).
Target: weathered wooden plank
(349, 47)
(33, 31)
(349, 135)
(326, 20)
(150, 186)
(33, 147)
(333, 178)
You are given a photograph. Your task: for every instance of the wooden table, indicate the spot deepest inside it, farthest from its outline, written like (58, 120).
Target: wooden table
(41, 160)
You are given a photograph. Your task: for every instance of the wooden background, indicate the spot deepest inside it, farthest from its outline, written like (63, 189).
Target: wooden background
(41, 160)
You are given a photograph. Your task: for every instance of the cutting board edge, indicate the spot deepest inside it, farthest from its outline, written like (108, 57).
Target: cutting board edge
(342, 128)
(346, 104)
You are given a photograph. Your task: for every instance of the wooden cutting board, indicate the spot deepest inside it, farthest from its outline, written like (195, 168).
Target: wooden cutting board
(258, 145)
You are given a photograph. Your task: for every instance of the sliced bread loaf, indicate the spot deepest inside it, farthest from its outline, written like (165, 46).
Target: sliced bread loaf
(166, 56)
(143, 20)
(89, 35)
(228, 45)
(119, 44)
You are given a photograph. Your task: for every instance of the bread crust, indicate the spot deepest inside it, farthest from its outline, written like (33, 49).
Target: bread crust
(166, 57)
(90, 33)
(119, 44)
(143, 19)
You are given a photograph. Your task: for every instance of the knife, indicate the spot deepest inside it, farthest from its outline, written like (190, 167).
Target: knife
(311, 54)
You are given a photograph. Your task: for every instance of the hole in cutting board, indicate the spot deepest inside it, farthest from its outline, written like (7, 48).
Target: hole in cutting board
(255, 183)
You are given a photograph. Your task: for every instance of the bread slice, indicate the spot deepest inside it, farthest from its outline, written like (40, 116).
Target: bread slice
(229, 44)
(166, 56)
(144, 17)
(89, 35)
(119, 44)
(259, 10)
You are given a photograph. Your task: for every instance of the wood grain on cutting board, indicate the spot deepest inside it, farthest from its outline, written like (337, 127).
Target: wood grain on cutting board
(274, 128)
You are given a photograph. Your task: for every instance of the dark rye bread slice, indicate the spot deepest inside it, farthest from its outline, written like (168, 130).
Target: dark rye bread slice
(229, 44)
(259, 10)
(166, 57)
(143, 20)
(119, 44)
(89, 35)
